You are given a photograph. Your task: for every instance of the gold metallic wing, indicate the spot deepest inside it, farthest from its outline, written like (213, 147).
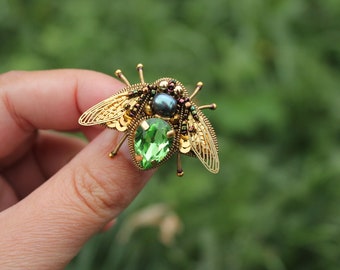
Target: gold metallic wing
(204, 142)
(108, 110)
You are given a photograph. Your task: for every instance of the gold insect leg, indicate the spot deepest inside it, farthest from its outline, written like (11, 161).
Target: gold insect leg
(180, 171)
(140, 71)
(122, 139)
(121, 76)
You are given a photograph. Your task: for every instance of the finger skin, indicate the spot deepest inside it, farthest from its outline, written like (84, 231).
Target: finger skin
(46, 229)
(52, 99)
(7, 195)
(60, 216)
(50, 152)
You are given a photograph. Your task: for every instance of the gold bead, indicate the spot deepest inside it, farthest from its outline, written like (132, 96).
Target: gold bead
(178, 90)
(180, 173)
(163, 85)
(118, 72)
(148, 110)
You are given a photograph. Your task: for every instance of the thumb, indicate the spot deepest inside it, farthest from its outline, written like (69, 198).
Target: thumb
(47, 228)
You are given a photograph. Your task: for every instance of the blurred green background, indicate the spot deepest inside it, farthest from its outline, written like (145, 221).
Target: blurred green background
(273, 69)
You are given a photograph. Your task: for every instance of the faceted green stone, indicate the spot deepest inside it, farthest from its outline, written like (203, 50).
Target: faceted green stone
(151, 142)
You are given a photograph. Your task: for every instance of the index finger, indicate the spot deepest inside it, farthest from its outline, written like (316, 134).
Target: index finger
(52, 99)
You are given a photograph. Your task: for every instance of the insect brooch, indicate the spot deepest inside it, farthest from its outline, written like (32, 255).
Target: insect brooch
(159, 119)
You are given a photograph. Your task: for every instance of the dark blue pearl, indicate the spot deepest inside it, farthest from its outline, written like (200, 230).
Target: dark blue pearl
(164, 105)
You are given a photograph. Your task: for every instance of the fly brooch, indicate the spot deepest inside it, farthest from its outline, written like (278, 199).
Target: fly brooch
(159, 119)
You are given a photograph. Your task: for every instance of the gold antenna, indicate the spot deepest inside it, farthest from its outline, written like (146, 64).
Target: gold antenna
(140, 71)
(121, 76)
(197, 89)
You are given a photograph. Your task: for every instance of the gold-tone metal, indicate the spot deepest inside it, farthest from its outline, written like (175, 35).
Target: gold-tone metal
(163, 85)
(127, 118)
(121, 76)
(140, 71)
(121, 125)
(114, 152)
(138, 158)
(144, 125)
(184, 146)
(125, 111)
(178, 90)
(180, 174)
(180, 171)
(212, 106)
(184, 137)
(171, 133)
(204, 142)
(199, 86)
(185, 143)
(148, 109)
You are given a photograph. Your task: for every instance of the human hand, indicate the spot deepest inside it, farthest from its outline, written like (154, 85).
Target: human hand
(56, 191)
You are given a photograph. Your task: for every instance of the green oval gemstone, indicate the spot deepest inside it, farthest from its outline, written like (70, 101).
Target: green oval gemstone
(151, 142)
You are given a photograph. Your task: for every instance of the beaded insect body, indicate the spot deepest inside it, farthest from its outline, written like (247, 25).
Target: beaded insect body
(159, 119)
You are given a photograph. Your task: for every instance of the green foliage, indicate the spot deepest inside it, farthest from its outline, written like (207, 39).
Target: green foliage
(273, 69)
